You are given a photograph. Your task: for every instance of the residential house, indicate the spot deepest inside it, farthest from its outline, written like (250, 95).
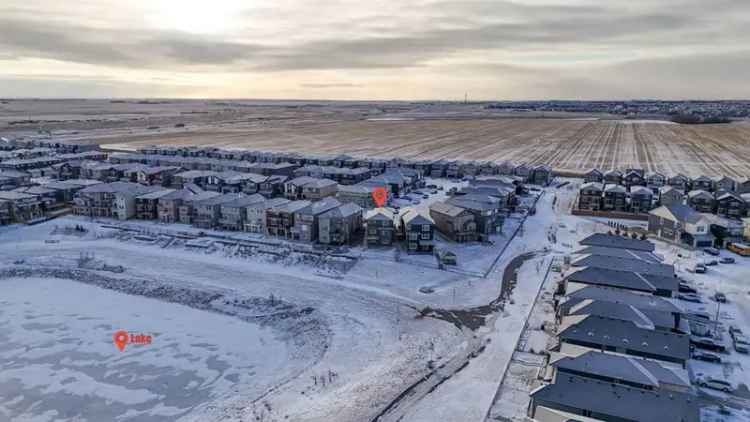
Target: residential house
(11, 179)
(309, 188)
(731, 205)
(627, 371)
(723, 184)
(701, 201)
(618, 242)
(593, 176)
(506, 168)
(640, 282)
(523, 171)
(339, 225)
(541, 175)
(743, 186)
(641, 199)
(668, 195)
(702, 183)
(157, 176)
(379, 227)
(438, 169)
(656, 181)
(195, 177)
(680, 182)
(574, 398)
(615, 198)
(453, 169)
(454, 222)
(613, 177)
(306, 227)
(22, 207)
(633, 178)
(168, 206)
(418, 231)
(112, 200)
(280, 218)
(255, 214)
(681, 224)
(233, 214)
(147, 205)
(486, 210)
(273, 186)
(590, 196)
(360, 194)
(6, 215)
(207, 212)
(585, 333)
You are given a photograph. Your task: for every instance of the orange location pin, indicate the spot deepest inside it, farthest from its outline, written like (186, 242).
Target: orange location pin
(121, 339)
(379, 195)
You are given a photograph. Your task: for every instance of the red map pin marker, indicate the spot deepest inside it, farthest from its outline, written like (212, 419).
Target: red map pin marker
(379, 195)
(121, 339)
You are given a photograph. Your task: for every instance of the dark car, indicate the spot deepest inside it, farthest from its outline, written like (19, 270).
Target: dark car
(706, 357)
(712, 262)
(707, 344)
(720, 297)
(711, 251)
(686, 288)
(689, 297)
(727, 260)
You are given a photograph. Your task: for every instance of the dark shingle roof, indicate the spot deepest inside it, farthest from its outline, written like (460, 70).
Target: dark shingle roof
(625, 264)
(619, 401)
(607, 294)
(613, 241)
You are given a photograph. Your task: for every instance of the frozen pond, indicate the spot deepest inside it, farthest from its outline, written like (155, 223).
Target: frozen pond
(58, 359)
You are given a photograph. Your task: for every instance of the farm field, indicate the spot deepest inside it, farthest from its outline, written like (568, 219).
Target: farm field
(567, 143)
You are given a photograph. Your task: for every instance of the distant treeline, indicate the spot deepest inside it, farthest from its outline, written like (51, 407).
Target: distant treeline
(694, 119)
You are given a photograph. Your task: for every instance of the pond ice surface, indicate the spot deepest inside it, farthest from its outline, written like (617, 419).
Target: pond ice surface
(58, 360)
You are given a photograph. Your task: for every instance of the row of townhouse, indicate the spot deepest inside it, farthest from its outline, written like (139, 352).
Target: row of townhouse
(212, 164)
(536, 174)
(622, 348)
(478, 211)
(46, 162)
(59, 146)
(29, 203)
(341, 175)
(682, 224)
(655, 180)
(594, 196)
(385, 227)
(23, 153)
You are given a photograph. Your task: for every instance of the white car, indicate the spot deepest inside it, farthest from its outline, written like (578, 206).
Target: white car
(715, 384)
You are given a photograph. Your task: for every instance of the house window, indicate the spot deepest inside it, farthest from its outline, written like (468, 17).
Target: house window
(413, 236)
(425, 228)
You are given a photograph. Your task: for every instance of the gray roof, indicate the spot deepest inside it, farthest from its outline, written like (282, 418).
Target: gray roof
(290, 206)
(620, 401)
(244, 201)
(156, 194)
(625, 334)
(380, 214)
(641, 190)
(614, 241)
(120, 187)
(342, 211)
(319, 207)
(615, 188)
(625, 264)
(607, 294)
(446, 208)
(624, 279)
(642, 318)
(620, 253)
(475, 202)
(623, 368)
(593, 185)
(699, 192)
(412, 216)
(681, 212)
(217, 200)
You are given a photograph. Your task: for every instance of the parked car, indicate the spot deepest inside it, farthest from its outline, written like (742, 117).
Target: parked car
(686, 288)
(431, 186)
(700, 269)
(689, 297)
(727, 260)
(707, 344)
(425, 196)
(741, 343)
(711, 262)
(711, 251)
(720, 297)
(714, 384)
(734, 330)
(706, 357)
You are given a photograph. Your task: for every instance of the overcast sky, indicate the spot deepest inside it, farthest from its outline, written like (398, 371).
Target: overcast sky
(376, 49)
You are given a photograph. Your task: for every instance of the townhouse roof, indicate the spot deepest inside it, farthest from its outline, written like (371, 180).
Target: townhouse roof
(13, 173)
(628, 280)
(202, 196)
(380, 214)
(120, 187)
(35, 190)
(156, 194)
(678, 212)
(614, 241)
(361, 189)
(663, 190)
(623, 368)
(624, 264)
(342, 211)
(84, 182)
(624, 334)
(290, 206)
(593, 185)
(730, 195)
(270, 203)
(649, 319)
(10, 195)
(475, 202)
(244, 201)
(218, 200)
(699, 192)
(641, 190)
(446, 208)
(615, 188)
(412, 216)
(619, 253)
(319, 207)
(702, 178)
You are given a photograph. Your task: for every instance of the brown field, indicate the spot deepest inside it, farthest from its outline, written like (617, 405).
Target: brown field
(571, 145)
(568, 145)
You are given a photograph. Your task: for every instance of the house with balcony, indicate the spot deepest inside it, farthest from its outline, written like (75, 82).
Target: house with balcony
(417, 230)
(454, 222)
(681, 224)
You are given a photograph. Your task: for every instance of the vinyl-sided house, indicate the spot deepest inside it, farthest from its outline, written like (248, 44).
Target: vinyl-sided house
(593, 175)
(634, 178)
(306, 219)
(255, 214)
(208, 211)
(486, 210)
(655, 181)
(613, 176)
(615, 198)
(418, 231)
(701, 201)
(186, 209)
(233, 214)
(147, 205)
(339, 225)
(679, 182)
(681, 224)
(590, 196)
(702, 183)
(668, 195)
(454, 222)
(654, 284)
(641, 199)
(731, 205)
(379, 227)
(723, 184)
